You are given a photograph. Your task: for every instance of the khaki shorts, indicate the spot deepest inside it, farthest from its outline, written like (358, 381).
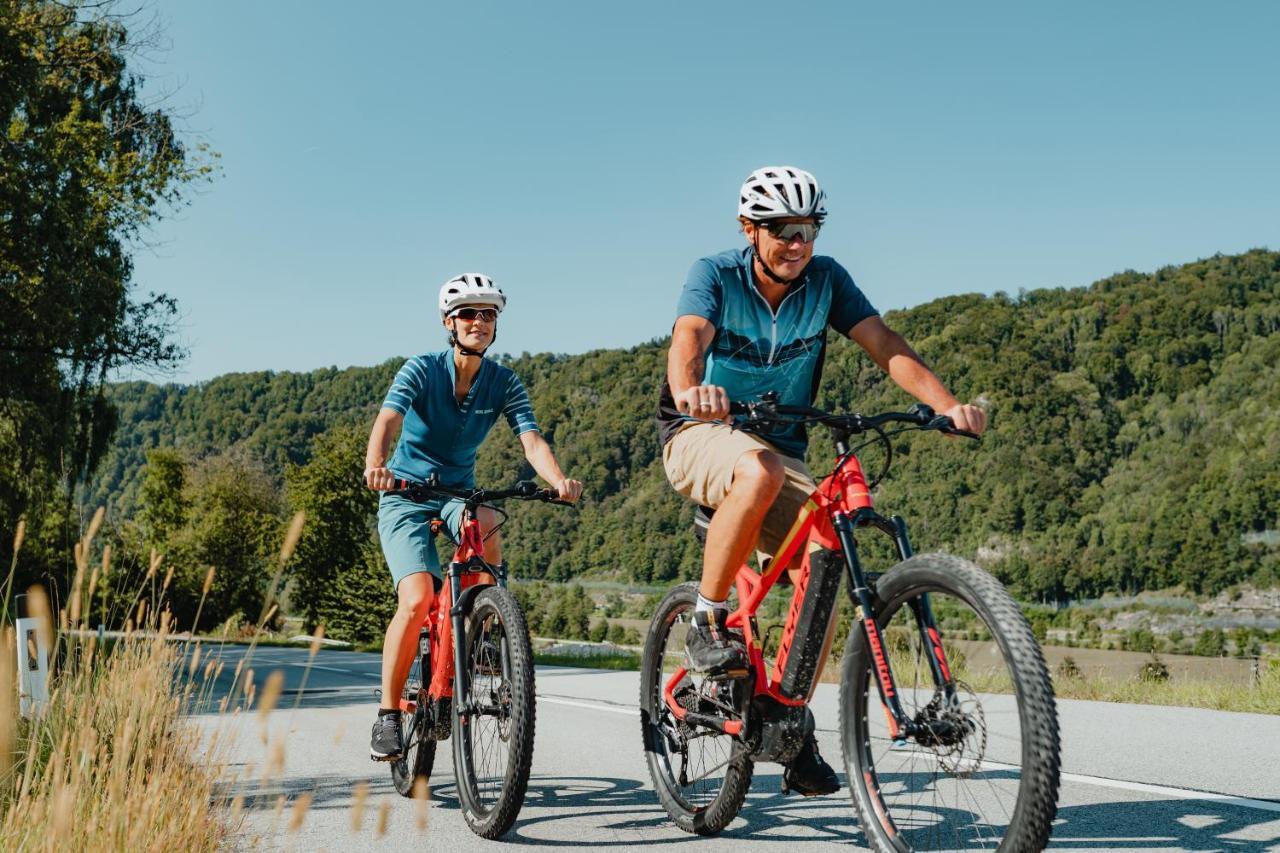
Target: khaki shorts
(699, 461)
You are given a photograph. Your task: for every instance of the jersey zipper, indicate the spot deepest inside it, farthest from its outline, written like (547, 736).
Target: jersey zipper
(773, 332)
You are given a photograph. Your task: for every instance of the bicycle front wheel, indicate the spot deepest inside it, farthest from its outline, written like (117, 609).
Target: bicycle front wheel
(985, 774)
(493, 731)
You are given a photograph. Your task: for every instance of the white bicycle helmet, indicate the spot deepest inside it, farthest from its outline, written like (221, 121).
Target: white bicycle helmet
(774, 192)
(470, 288)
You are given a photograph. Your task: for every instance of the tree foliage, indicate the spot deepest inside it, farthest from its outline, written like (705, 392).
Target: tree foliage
(86, 163)
(1134, 440)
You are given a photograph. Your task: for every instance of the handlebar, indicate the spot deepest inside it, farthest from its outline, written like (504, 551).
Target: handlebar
(523, 490)
(767, 410)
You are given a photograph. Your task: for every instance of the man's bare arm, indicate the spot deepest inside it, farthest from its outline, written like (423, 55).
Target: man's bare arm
(686, 361)
(895, 357)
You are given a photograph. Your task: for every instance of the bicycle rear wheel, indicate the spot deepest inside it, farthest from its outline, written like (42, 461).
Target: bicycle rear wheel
(701, 776)
(993, 783)
(419, 754)
(493, 734)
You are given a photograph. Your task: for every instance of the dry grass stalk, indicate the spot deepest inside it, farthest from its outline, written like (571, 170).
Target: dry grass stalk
(291, 538)
(94, 526)
(300, 807)
(274, 765)
(77, 587)
(270, 694)
(358, 798)
(38, 607)
(384, 817)
(8, 692)
(422, 801)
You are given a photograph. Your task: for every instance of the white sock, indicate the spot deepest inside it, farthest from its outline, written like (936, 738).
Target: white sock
(706, 604)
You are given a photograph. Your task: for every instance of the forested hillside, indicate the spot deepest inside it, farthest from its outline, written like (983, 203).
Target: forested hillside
(1134, 441)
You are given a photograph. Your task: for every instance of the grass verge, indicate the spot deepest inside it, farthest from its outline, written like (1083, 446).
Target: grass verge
(109, 765)
(621, 661)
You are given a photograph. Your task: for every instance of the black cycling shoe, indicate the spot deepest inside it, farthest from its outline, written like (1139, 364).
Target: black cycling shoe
(714, 649)
(807, 774)
(385, 745)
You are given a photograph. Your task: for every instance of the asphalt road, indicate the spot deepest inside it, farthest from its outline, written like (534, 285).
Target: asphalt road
(1135, 777)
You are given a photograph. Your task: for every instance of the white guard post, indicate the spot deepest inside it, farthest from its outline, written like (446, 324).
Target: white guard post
(33, 663)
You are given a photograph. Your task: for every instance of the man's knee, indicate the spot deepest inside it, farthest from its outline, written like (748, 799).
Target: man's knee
(760, 472)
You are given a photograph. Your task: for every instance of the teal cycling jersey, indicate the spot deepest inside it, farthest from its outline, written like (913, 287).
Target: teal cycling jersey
(440, 435)
(757, 349)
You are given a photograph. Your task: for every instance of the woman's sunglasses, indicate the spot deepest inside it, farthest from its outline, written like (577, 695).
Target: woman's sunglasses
(489, 315)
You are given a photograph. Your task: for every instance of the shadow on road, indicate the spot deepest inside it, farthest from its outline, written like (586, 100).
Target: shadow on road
(618, 813)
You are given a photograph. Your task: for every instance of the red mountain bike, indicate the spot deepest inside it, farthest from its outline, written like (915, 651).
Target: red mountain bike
(956, 744)
(478, 687)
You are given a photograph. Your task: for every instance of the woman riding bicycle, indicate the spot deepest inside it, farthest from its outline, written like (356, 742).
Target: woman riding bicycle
(749, 321)
(447, 402)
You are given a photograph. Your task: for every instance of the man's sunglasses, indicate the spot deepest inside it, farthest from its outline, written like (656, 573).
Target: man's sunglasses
(788, 231)
(489, 315)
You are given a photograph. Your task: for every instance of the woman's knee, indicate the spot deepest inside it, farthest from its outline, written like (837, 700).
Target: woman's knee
(415, 594)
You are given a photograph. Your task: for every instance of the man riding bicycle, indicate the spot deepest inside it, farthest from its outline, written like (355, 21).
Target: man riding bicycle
(750, 321)
(447, 402)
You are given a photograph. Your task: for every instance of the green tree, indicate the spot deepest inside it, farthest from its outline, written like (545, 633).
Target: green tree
(162, 501)
(335, 542)
(236, 523)
(86, 163)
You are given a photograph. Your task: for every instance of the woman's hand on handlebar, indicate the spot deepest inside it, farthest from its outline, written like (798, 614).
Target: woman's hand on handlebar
(380, 479)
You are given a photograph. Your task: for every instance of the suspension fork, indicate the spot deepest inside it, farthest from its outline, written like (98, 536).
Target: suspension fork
(461, 687)
(925, 623)
(899, 724)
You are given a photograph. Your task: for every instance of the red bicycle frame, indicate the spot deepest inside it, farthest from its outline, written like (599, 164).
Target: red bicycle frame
(840, 504)
(465, 571)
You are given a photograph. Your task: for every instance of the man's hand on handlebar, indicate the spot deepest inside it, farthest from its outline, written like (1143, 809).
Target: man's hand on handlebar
(967, 418)
(569, 490)
(704, 402)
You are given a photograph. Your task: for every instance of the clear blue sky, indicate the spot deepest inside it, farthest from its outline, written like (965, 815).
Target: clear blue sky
(585, 154)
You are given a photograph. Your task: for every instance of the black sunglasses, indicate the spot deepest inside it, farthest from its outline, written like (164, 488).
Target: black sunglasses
(489, 315)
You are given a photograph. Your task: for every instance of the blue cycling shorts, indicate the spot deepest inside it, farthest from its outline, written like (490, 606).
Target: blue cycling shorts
(404, 526)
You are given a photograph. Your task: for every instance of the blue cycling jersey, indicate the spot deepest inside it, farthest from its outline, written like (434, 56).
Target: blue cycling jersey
(440, 435)
(756, 349)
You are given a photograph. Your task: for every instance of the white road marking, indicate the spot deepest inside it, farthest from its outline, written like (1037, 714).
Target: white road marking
(330, 669)
(592, 706)
(1099, 781)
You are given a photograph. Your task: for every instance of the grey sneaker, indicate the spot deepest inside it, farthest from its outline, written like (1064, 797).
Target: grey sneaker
(385, 745)
(713, 649)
